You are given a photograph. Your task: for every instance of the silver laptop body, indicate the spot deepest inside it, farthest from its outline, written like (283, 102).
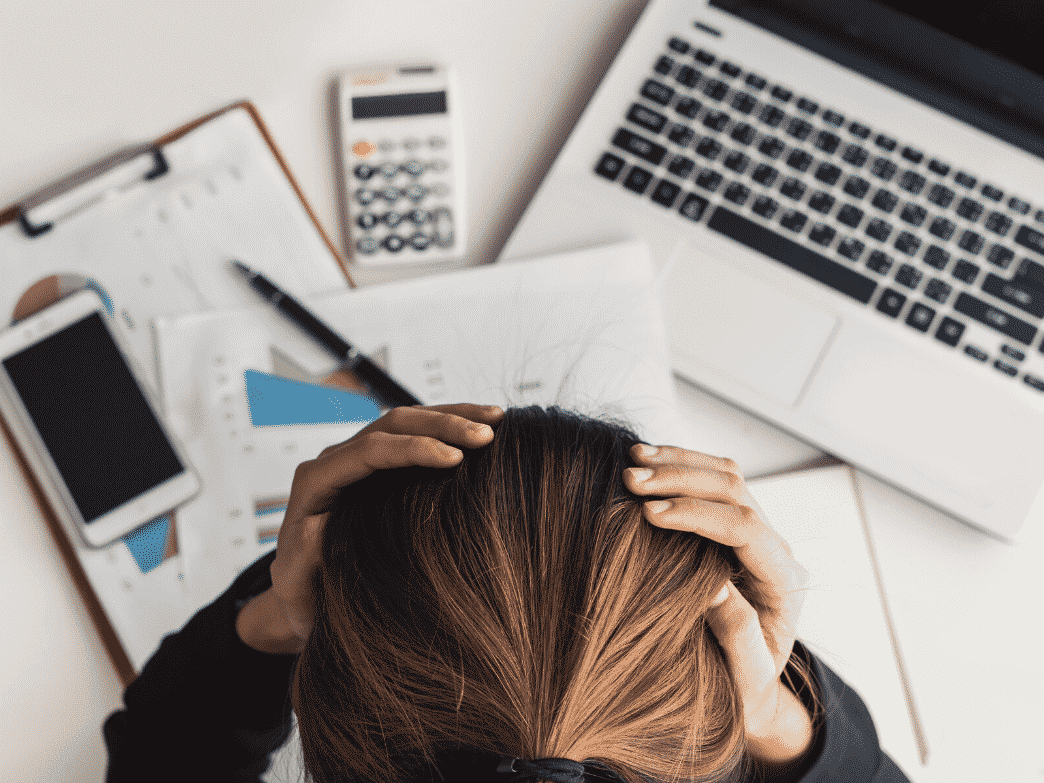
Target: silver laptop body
(856, 266)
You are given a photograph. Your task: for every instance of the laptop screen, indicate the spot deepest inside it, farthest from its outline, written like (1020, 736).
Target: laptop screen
(1011, 29)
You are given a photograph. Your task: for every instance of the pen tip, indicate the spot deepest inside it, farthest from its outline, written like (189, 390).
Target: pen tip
(239, 265)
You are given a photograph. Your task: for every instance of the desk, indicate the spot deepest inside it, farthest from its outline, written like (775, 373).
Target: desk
(80, 80)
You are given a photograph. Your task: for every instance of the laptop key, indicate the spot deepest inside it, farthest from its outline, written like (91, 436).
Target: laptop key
(998, 255)
(703, 56)
(850, 215)
(964, 179)
(687, 76)
(693, 206)
(636, 145)
(878, 229)
(799, 128)
(755, 82)
(822, 234)
(736, 161)
(782, 94)
(743, 103)
(942, 228)
(708, 147)
(949, 331)
(975, 353)
(851, 248)
(688, 107)
(716, 120)
(743, 133)
(771, 147)
(655, 91)
(729, 69)
(1004, 367)
(664, 65)
(938, 167)
(1028, 300)
(885, 142)
(831, 117)
(908, 276)
(765, 206)
(764, 174)
(859, 130)
(969, 209)
(940, 195)
(891, 302)
(937, 290)
(879, 261)
(772, 116)
(1031, 238)
(1034, 381)
(971, 242)
(828, 173)
(665, 193)
(715, 89)
(678, 45)
(737, 193)
(646, 118)
(991, 192)
(792, 188)
(709, 179)
(807, 106)
(800, 160)
(681, 135)
(885, 201)
(857, 187)
(912, 155)
(937, 257)
(913, 214)
(828, 142)
(907, 243)
(997, 223)
(1014, 353)
(965, 271)
(1018, 205)
(912, 182)
(821, 201)
(793, 220)
(995, 318)
(790, 253)
(1030, 273)
(609, 166)
(680, 166)
(855, 155)
(884, 169)
(920, 317)
(637, 179)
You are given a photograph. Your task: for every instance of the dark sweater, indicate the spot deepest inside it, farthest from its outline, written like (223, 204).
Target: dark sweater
(208, 707)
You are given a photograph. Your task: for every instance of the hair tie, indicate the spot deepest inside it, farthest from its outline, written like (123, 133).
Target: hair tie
(555, 770)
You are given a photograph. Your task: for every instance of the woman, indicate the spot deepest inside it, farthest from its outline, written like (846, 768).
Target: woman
(504, 612)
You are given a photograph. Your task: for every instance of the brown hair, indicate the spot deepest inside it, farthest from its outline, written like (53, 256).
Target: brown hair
(518, 604)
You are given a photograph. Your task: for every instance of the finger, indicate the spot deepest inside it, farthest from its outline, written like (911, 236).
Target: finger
(644, 454)
(678, 479)
(316, 481)
(736, 626)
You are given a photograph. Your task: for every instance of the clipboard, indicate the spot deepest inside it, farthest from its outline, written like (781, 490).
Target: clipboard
(122, 188)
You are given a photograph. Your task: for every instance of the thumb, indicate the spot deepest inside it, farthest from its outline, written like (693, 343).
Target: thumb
(737, 628)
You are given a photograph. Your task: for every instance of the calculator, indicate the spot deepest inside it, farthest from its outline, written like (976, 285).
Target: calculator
(403, 169)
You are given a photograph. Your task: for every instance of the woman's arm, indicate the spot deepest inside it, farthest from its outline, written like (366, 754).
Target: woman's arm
(205, 706)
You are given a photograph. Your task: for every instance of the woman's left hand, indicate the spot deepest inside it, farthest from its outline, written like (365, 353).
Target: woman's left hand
(282, 620)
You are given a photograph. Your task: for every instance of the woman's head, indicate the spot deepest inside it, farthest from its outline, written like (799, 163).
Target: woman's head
(517, 604)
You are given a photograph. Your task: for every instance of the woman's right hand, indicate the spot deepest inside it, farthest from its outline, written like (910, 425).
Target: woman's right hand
(708, 495)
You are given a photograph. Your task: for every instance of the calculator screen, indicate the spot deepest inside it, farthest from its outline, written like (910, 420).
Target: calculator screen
(373, 106)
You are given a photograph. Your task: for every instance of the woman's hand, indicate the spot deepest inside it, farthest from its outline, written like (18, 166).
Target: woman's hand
(708, 495)
(283, 616)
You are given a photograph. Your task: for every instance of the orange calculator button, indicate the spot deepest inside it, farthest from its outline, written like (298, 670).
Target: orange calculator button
(363, 148)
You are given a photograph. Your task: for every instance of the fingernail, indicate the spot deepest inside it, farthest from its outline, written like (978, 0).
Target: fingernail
(647, 451)
(721, 597)
(480, 429)
(640, 474)
(656, 506)
(449, 452)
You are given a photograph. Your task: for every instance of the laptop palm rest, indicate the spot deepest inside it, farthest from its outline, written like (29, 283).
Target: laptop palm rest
(759, 335)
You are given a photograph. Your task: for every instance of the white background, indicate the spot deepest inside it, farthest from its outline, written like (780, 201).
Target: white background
(79, 80)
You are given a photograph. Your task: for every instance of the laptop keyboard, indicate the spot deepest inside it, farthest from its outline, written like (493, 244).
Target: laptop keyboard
(889, 225)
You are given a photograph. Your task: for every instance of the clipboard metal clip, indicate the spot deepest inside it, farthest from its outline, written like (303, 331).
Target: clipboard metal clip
(92, 185)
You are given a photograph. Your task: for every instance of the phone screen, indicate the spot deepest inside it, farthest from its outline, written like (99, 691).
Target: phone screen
(92, 417)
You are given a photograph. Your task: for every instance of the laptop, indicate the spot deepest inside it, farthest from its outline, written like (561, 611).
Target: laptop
(846, 203)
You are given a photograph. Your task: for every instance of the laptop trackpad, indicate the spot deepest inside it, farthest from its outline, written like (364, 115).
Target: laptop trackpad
(761, 336)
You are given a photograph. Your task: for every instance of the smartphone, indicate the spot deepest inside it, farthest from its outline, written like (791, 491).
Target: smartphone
(87, 423)
(403, 173)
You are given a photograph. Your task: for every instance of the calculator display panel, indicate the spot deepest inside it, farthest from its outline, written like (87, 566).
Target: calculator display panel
(369, 107)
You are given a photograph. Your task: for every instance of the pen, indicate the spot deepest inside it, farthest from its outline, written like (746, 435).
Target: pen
(383, 386)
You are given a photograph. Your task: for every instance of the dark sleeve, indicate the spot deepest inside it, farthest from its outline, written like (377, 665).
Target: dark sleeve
(845, 747)
(205, 706)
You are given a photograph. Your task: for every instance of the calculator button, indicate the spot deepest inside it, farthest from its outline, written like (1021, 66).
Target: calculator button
(436, 142)
(367, 245)
(413, 167)
(393, 243)
(363, 148)
(438, 190)
(367, 220)
(436, 165)
(386, 145)
(392, 219)
(364, 171)
(365, 196)
(391, 195)
(443, 220)
(415, 192)
(417, 216)
(420, 241)
(410, 144)
(389, 170)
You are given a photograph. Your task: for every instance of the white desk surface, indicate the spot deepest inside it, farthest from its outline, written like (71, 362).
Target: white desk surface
(79, 80)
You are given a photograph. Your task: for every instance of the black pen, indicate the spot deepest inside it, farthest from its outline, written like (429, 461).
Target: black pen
(387, 391)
